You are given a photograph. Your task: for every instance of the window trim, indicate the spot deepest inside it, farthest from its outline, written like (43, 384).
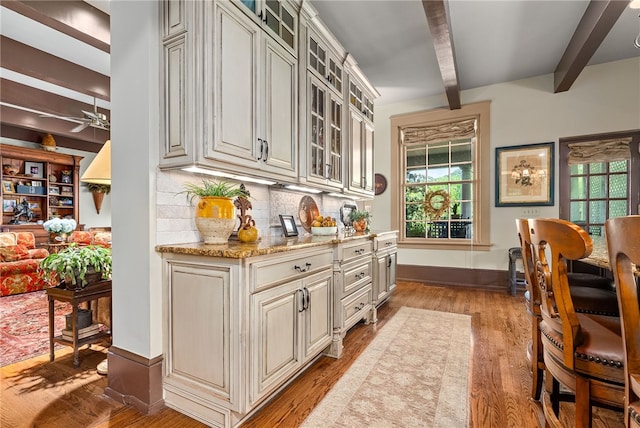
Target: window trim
(481, 179)
(564, 191)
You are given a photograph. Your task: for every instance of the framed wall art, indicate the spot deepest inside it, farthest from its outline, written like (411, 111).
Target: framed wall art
(34, 169)
(289, 228)
(8, 187)
(524, 175)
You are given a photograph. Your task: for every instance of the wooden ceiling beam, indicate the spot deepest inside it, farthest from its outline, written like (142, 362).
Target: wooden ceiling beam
(74, 18)
(437, 12)
(43, 66)
(597, 21)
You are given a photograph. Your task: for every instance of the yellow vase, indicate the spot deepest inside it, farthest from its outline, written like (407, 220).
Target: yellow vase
(215, 219)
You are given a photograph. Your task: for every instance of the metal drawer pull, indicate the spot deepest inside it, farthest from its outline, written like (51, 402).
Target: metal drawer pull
(360, 275)
(360, 306)
(359, 251)
(306, 267)
(388, 244)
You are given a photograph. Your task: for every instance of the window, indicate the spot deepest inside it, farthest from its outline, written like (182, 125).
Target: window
(599, 178)
(439, 159)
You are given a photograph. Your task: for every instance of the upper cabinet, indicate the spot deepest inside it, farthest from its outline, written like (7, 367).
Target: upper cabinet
(361, 95)
(263, 89)
(255, 97)
(325, 121)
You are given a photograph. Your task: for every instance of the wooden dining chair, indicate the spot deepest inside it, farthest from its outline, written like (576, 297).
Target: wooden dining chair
(583, 352)
(532, 300)
(590, 294)
(623, 241)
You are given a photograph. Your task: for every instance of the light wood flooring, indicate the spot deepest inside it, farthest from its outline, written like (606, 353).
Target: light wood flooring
(36, 393)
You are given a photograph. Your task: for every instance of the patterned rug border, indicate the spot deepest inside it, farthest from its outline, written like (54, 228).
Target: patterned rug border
(455, 373)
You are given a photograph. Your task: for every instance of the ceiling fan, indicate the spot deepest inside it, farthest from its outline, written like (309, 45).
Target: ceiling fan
(92, 118)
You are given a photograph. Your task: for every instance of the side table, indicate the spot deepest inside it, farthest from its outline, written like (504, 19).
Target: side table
(75, 297)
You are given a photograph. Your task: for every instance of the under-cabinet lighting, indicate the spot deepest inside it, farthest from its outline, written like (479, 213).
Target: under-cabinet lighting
(227, 175)
(342, 195)
(302, 189)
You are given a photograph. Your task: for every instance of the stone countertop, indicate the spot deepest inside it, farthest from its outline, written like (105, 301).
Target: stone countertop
(266, 245)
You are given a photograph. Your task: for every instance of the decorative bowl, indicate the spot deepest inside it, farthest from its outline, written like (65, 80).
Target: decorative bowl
(324, 231)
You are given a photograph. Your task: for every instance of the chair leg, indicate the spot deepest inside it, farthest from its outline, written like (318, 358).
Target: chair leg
(537, 360)
(555, 396)
(583, 402)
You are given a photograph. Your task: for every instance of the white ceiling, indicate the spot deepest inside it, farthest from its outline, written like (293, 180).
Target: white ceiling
(494, 41)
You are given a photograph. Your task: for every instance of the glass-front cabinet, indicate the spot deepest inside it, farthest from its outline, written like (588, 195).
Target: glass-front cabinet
(278, 17)
(361, 128)
(325, 113)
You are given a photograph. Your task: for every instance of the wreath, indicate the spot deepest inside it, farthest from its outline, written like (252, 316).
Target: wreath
(436, 203)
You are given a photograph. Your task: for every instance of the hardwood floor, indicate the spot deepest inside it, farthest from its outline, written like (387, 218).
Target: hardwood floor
(36, 393)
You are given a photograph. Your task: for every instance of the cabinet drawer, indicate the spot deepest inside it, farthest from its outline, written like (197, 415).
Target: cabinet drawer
(356, 249)
(386, 243)
(356, 306)
(355, 275)
(275, 270)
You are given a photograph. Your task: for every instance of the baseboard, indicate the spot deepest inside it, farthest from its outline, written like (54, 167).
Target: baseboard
(135, 380)
(455, 277)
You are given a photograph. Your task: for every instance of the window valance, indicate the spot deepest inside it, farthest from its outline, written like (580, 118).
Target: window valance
(599, 151)
(442, 132)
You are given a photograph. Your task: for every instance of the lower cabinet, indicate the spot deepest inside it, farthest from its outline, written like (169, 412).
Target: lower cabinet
(291, 325)
(233, 335)
(384, 270)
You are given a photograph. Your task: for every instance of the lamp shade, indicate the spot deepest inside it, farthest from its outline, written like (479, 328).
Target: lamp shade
(99, 170)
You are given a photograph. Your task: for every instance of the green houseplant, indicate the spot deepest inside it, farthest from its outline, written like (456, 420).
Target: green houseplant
(75, 265)
(215, 211)
(359, 220)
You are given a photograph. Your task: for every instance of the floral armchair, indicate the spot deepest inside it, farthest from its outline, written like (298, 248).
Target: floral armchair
(19, 261)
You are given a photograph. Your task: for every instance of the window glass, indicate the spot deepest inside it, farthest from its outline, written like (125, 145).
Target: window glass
(578, 212)
(596, 186)
(618, 186)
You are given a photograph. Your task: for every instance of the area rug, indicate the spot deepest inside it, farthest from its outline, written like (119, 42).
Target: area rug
(415, 373)
(24, 325)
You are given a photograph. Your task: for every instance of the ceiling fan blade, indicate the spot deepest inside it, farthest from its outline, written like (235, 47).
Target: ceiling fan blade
(80, 127)
(90, 114)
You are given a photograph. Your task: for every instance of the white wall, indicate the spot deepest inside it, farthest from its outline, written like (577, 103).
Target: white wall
(604, 98)
(88, 215)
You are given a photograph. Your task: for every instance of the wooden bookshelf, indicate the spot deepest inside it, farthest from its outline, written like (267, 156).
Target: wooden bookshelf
(47, 181)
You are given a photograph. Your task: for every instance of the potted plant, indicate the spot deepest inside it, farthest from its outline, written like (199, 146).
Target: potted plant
(454, 211)
(98, 191)
(359, 220)
(215, 211)
(77, 266)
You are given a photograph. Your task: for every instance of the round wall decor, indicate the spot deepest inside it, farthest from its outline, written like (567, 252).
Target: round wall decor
(380, 184)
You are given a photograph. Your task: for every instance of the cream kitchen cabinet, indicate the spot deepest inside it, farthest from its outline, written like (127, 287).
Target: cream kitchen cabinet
(255, 96)
(352, 284)
(237, 329)
(385, 249)
(292, 324)
(361, 148)
(230, 92)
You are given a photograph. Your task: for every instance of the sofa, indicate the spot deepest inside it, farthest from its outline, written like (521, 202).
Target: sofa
(19, 261)
(99, 237)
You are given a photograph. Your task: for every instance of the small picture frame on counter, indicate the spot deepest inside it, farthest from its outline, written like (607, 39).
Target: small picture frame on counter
(289, 228)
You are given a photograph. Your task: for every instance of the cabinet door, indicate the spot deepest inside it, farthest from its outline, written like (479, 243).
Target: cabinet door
(317, 122)
(335, 149)
(278, 151)
(367, 157)
(317, 315)
(380, 286)
(391, 271)
(274, 337)
(236, 95)
(356, 170)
